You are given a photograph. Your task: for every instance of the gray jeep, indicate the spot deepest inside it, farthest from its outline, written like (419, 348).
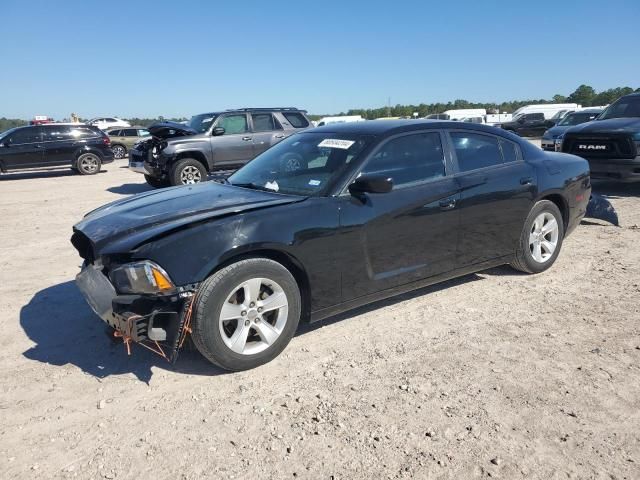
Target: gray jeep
(180, 154)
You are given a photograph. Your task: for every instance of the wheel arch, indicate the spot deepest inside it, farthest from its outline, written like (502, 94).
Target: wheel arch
(195, 155)
(287, 260)
(562, 204)
(86, 149)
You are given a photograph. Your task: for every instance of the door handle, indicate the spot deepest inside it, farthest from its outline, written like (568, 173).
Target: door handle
(526, 181)
(246, 139)
(447, 204)
(279, 136)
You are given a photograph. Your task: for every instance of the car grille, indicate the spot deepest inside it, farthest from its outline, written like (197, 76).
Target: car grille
(599, 146)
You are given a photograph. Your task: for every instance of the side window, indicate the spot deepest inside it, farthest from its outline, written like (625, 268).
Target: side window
(85, 132)
(129, 132)
(509, 151)
(25, 135)
(56, 133)
(535, 116)
(114, 133)
(110, 120)
(296, 119)
(143, 133)
(264, 122)
(475, 151)
(409, 159)
(234, 124)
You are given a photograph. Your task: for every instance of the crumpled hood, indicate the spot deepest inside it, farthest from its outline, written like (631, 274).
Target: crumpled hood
(136, 219)
(613, 125)
(170, 129)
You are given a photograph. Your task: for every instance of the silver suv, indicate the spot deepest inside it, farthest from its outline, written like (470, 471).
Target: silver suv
(180, 154)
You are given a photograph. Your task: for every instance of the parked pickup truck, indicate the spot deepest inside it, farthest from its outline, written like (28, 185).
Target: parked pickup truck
(611, 143)
(178, 154)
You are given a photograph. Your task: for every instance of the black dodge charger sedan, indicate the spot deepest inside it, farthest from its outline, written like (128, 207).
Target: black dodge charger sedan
(325, 221)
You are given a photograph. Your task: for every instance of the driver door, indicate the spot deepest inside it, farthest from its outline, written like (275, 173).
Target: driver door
(235, 146)
(409, 233)
(23, 149)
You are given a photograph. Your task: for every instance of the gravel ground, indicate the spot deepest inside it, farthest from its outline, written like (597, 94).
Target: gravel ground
(495, 374)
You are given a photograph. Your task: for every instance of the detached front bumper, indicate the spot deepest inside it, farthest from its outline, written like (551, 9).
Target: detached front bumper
(140, 318)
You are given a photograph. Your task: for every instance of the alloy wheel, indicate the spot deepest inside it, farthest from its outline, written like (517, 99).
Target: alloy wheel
(190, 175)
(89, 163)
(253, 316)
(543, 238)
(118, 151)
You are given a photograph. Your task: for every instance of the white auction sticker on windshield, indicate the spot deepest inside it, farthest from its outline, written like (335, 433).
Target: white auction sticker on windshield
(336, 143)
(272, 186)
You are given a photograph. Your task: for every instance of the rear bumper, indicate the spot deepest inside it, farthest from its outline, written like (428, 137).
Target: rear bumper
(140, 318)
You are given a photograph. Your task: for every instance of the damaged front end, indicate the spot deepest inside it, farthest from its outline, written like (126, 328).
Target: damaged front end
(137, 300)
(144, 157)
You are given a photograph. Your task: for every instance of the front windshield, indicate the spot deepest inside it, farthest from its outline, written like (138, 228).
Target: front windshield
(577, 118)
(304, 164)
(201, 123)
(6, 133)
(622, 108)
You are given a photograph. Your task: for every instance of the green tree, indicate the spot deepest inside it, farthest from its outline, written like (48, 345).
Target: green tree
(583, 95)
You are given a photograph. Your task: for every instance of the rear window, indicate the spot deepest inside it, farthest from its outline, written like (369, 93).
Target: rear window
(296, 119)
(57, 133)
(475, 151)
(85, 132)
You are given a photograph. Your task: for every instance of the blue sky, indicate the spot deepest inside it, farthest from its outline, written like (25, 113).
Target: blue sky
(177, 58)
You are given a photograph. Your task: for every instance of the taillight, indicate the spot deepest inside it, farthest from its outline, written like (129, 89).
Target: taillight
(106, 140)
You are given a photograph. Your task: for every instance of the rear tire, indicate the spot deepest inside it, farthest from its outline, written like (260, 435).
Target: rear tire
(187, 171)
(541, 238)
(119, 151)
(88, 164)
(157, 182)
(246, 314)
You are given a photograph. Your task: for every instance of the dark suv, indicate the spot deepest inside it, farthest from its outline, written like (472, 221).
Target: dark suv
(82, 147)
(178, 154)
(611, 143)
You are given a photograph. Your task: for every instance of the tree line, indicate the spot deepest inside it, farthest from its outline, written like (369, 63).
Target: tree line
(583, 95)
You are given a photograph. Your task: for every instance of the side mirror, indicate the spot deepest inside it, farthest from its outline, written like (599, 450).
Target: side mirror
(371, 184)
(217, 131)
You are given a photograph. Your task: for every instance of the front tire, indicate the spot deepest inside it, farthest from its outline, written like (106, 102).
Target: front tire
(187, 171)
(88, 164)
(541, 238)
(246, 314)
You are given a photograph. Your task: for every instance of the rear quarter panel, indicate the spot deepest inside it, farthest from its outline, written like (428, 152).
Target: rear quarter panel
(566, 176)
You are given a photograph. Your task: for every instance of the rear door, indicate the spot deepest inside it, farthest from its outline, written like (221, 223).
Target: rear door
(129, 136)
(497, 192)
(59, 145)
(23, 149)
(267, 131)
(235, 147)
(409, 233)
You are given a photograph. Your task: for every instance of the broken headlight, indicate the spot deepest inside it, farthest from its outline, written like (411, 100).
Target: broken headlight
(141, 277)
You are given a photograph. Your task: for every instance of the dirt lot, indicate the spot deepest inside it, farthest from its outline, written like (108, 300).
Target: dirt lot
(496, 374)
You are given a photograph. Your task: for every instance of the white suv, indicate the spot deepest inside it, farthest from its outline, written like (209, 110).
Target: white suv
(108, 122)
